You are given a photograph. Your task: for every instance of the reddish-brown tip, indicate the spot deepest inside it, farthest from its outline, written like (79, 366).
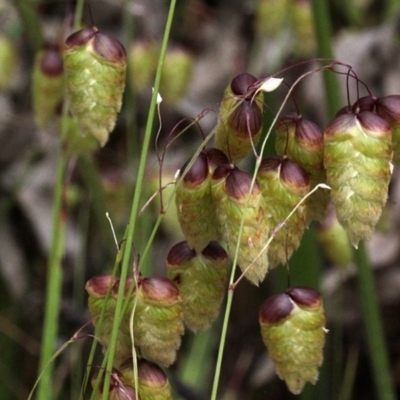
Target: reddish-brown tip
(51, 62)
(275, 308)
(241, 83)
(180, 254)
(304, 296)
(98, 286)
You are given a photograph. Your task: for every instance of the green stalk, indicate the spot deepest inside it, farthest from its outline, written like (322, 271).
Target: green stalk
(31, 22)
(323, 33)
(373, 327)
(53, 285)
(136, 199)
(375, 334)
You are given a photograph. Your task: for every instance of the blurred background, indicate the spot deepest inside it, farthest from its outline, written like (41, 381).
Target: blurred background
(212, 42)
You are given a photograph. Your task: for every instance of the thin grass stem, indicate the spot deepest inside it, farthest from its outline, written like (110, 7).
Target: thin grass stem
(136, 199)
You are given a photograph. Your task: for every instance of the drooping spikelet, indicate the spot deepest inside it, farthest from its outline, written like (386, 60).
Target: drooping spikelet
(293, 330)
(118, 389)
(195, 206)
(283, 185)
(152, 381)
(201, 279)
(302, 141)
(158, 319)
(100, 296)
(95, 66)
(239, 120)
(357, 156)
(235, 199)
(47, 84)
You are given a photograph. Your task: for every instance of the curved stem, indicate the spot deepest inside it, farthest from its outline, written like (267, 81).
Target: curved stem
(136, 200)
(374, 327)
(53, 285)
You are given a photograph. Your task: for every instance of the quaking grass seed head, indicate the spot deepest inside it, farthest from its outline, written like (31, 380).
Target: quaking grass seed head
(201, 279)
(118, 389)
(95, 67)
(47, 84)
(357, 156)
(293, 330)
(103, 46)
(152, 380)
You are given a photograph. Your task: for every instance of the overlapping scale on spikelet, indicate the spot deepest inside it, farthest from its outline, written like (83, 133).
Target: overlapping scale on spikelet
(95, 67)
(387, 107)
(357, 157)
(283, 185)
(301, 140)
(201, 279)
(293, 330)
(239, 119)
(100, 290)
(158, 320)
(195, 206)
(235, 199)
(47, 84)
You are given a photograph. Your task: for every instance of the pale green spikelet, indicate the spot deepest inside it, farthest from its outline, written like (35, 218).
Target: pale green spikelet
(8, 62)
(48, 84)
(283, 185)
(302, 141)
(177, 71)
(235, 199)
(97, 288)
(95, 67)
(239, 119)
(357, 158)
(195, 207)
(293, 330)
(158, 320)
(201, 279)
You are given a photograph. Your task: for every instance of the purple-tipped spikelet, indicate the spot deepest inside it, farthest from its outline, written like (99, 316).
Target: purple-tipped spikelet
(95, 66)
(118, 390)
(152, 381)
(158, 320)
(195, 207)
(293, 330)
(283, 185)
(334, 240)
(201, 279)
(357, 158)
(47, 84)
(235, 200)
(216, 158)
(302, 141)
(240, 119)
(97, 288)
